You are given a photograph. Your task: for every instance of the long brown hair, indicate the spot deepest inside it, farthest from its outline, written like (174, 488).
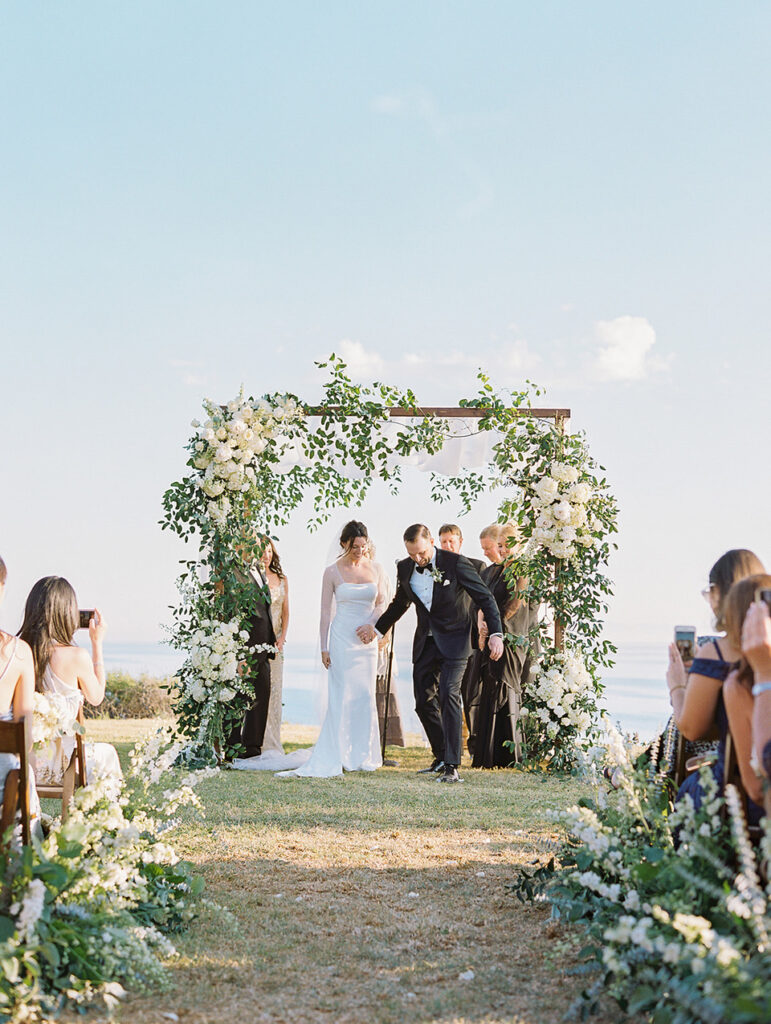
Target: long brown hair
(736, 564)
(275, 561)
(735, 608)
(50, 618)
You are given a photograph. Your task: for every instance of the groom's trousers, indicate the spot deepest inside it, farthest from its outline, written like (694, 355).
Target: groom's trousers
(436, 681)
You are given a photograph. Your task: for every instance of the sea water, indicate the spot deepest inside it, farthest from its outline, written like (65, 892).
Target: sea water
(635, 689)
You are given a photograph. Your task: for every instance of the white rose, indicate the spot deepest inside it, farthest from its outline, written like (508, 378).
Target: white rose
(546, 488)
(580, 493)
(562, 512)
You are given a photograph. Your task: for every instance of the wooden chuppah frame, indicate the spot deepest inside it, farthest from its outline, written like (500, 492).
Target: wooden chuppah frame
(560, 416)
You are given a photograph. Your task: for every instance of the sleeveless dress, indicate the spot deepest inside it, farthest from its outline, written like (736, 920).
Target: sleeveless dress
(715, 669)
(272, 740)
(9, 762)
(51, 763)
(350, 736)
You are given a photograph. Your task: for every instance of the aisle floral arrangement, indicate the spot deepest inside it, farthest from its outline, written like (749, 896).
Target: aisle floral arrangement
(87, 912)
(675, 917)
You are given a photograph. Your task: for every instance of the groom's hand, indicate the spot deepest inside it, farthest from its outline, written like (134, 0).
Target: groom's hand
(495, 644)
(366, 633)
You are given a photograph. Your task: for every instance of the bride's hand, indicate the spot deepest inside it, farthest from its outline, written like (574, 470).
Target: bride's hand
(366, 634)
(325, 659)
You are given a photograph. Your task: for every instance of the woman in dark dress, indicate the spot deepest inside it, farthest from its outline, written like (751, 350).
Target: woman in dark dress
(500, 690)
(697, 700)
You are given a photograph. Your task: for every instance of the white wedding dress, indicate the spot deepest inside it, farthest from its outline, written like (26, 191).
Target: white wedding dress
(349, 738)
(51, 763)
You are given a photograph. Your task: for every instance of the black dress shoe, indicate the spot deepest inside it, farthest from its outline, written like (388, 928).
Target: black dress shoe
(450, 774)
(435, 766)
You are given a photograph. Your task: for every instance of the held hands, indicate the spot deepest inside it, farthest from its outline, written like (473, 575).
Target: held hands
(756, 640)
(325, 659)
(366, 633)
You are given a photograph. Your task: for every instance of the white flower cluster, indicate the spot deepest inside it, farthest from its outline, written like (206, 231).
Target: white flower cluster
(561, 695)
(51, 718)
(558, 503)
(28, 911)
(229, 443)
(210, 672)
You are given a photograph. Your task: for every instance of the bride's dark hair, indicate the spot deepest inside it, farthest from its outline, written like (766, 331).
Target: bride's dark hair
(351, 531)
(50, 618)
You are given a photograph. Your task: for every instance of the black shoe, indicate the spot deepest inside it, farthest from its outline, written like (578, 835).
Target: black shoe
(450, 774)
(436, 766)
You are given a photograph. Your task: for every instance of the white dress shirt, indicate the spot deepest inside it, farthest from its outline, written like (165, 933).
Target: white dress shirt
(422, 584)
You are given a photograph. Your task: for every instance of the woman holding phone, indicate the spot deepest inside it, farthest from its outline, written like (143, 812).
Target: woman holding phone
(697, 695)
(66, 673)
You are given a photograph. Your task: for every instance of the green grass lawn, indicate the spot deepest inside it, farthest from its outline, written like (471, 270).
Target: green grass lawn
(369, 898)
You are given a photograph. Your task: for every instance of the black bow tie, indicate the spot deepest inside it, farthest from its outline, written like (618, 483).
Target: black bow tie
(424, 568)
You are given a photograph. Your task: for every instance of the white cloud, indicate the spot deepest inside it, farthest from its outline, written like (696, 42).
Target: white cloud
(624, 349)
(361, 363)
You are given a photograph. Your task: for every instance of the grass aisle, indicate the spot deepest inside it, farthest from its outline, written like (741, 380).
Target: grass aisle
(369, 898)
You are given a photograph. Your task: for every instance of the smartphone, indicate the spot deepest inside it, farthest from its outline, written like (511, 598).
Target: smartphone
(85, 618)
(685, 639)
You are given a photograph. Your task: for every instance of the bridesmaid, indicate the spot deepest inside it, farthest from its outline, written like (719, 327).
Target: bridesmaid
(278, 585)
(501, 681)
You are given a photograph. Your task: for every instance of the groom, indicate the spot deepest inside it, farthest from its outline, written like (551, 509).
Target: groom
(440, 584)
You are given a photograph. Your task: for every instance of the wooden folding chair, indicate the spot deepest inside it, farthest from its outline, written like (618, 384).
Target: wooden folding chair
(74, 775)
(15, 739)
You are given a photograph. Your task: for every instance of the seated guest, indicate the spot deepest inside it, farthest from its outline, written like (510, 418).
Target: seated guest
(17, 688)
(66, 673)
(451, 539)
(756, 648)
(696, 697)
(698, 704)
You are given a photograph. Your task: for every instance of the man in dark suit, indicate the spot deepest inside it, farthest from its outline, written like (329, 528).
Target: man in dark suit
(451, 539)
(441, 585)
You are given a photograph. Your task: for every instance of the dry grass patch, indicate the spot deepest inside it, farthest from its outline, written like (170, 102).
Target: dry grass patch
(371, 898)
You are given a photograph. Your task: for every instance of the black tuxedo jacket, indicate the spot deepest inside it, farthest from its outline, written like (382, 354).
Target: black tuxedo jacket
(449, 620)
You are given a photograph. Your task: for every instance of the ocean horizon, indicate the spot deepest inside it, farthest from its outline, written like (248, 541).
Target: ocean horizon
(635, 688)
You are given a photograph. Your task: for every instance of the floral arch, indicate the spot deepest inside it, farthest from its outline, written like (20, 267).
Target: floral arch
(252, 462)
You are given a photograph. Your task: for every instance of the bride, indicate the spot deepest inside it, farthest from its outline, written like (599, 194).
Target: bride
(350, 736)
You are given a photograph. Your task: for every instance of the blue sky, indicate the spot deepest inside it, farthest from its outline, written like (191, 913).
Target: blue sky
(193, 195)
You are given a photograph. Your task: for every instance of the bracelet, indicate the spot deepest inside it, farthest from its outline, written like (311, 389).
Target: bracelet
(96, 663)
(676, 688)
(759, 688)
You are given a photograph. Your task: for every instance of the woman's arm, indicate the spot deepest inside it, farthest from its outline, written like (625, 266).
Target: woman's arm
(91, 674)
(24, 691)
(739, 707)
(482, 630)
(327, 594)
(514, 603)
(693, 696)
(756, 647)
(281, 640)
